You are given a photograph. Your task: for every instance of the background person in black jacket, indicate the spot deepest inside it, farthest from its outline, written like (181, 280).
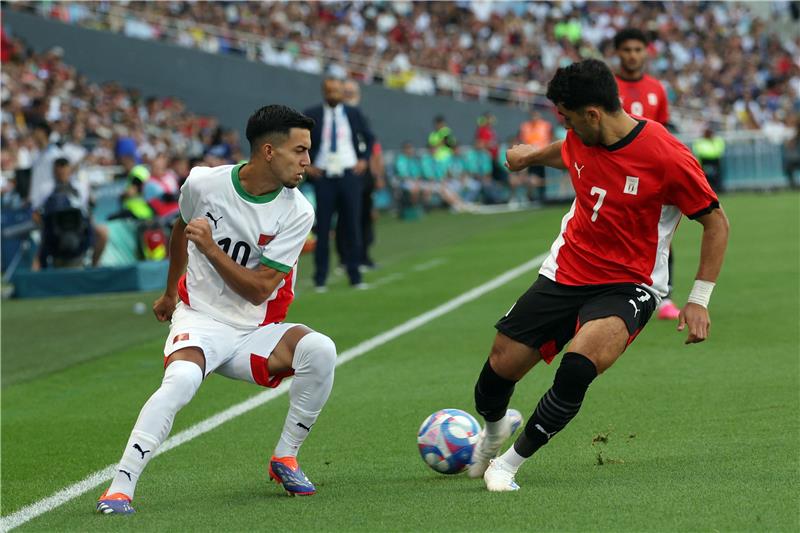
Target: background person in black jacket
(341, 143)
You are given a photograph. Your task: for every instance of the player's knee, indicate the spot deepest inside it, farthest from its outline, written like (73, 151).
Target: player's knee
(316, 351)
(574, 375)
(180, 383)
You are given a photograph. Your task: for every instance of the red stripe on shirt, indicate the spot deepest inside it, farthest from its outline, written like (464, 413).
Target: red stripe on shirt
(183, 292)
(277, 308)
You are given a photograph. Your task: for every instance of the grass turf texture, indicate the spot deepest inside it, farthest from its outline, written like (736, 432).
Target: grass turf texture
(700, 437)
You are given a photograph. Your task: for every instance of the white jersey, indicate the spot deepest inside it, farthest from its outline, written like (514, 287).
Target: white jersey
(268, 230)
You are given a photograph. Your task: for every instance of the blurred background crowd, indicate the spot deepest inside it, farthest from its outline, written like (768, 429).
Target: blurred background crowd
(116, 157)
(730, 62)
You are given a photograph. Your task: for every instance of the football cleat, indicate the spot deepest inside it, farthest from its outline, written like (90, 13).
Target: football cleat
(116, 503)
(286, 471)
(668, 311)
(486, 449)
(499, 476)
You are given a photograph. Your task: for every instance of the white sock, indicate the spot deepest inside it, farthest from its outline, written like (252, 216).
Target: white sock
(494, 430)
(180, 383)
(313, 362)
(513, 459)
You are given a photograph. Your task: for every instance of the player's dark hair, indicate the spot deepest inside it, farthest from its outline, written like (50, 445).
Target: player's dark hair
(272, 119)
(588, 82)
(630, 34)
(61, 162)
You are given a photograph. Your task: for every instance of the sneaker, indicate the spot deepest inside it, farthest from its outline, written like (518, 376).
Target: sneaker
(287, 472)
(485, 449)
(499, 477)
(668, 310)
(320, 289)
(116, 503)
(361, 286)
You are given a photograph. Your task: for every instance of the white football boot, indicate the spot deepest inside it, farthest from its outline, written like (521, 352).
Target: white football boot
(486, 449)
(499, 476)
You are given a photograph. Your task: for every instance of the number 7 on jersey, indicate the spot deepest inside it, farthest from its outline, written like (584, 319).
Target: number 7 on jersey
(601, 196)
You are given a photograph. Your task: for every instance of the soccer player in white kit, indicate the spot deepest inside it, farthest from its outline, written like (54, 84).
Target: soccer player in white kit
(241, 231)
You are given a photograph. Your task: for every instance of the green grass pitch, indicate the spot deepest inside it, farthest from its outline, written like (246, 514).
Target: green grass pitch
(674, 437)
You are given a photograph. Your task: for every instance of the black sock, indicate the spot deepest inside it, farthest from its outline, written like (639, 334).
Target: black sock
(492, 394)
(559, 405)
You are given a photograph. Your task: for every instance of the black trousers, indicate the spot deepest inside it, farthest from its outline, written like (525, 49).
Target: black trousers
(367, 225)
(343, 196)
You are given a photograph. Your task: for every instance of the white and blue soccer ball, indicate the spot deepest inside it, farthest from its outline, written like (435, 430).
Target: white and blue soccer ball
(446, 440)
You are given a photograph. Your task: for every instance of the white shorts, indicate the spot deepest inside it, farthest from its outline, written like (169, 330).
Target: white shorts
(232, 352)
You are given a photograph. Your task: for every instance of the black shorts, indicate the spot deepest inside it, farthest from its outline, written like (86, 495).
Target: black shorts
(549, 314)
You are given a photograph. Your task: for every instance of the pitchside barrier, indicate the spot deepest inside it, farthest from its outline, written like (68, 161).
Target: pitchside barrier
(751, 162)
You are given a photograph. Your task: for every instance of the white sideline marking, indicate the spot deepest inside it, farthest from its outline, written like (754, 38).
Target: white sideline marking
(61, 497)
(386, 279)
(430, 264)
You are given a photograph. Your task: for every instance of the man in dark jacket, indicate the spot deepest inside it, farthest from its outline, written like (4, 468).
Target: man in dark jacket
(341, 143)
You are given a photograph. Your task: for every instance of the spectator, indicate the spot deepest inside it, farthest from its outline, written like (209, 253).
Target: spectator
(161, 190)
(408, 172)
(441, 140)
(791, 156)
(67, 228)
(373, 180)
(537, 132)
(709, 150)
(42, 178)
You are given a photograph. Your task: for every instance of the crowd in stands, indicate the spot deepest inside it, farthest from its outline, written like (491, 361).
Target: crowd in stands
(721, 59)
(56, 125)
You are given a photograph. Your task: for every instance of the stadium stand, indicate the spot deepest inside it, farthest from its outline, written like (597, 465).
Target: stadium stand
(745, 58)
(503, 54)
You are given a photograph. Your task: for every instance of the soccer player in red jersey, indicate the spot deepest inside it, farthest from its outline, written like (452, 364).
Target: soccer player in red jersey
(607, 268)
(644, 96)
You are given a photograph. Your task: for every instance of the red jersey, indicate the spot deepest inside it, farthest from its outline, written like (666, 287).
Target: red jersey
(645, 97)
(628, 201)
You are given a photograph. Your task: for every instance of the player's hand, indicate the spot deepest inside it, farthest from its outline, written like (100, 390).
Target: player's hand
(360, 167)
(696, 317)
(516, 157)
(164, 306)
(313, 172)
(198, 230)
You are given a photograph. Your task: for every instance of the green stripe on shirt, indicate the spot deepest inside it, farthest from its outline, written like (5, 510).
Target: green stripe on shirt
(274, 264)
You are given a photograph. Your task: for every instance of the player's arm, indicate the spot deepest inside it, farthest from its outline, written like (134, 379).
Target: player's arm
(712, 252)
(255, 286)
(521, 156)
(164, 306)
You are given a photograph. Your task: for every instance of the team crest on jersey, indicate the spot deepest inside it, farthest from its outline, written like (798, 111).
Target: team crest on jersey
(181, 337)
(264, 240)
(652, 99)
(631, 185)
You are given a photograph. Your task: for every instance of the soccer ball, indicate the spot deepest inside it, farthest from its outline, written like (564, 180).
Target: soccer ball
(446, 440)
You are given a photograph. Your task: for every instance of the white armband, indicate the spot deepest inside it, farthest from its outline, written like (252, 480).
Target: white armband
(701, 292)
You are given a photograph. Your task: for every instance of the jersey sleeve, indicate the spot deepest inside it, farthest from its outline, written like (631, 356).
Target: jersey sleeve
(686, 183)
(282, 251)
(186, 200)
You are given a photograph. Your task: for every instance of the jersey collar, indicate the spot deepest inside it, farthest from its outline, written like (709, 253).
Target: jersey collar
(237, 185)
(625, 141)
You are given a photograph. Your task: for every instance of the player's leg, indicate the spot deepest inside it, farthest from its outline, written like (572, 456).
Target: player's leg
(608, 323)
(289, 349)
(191, 348)
(182, 377)
(667, 310)
(532, 330)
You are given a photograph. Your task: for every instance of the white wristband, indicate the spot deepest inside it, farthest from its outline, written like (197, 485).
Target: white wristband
(701, 292)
